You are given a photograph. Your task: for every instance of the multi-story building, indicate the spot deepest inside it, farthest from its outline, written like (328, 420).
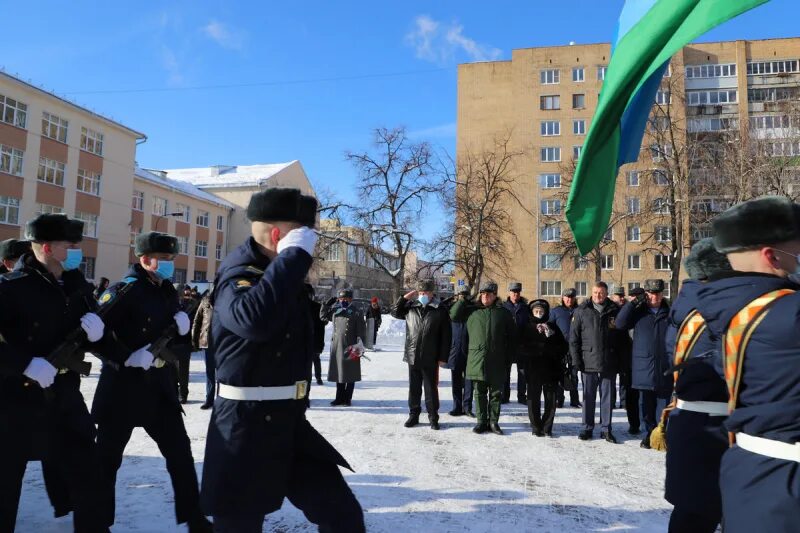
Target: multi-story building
(544, 100)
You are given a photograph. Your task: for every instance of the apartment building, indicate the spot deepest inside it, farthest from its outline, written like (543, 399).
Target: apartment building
(545, 98)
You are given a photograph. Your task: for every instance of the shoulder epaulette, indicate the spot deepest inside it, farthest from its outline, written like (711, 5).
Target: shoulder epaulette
(254, 270)
(111, 292)
(14, 274)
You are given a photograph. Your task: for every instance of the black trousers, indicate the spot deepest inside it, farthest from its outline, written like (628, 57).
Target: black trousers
(211, 379)
(522, 383)
(574, 398)
(650, 407)
(681, 521)
(319, 490)
(184, 358)
(536, 387)
(165, 427)
(420, 377)
(317, 366)
(462, 388)
(629, 399)
(344, 392)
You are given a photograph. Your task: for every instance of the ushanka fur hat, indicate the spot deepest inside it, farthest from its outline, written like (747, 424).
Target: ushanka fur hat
(13, 249)
(54, 227)
(704, 260)
(283, 205)
(155, 242)
(756, 223)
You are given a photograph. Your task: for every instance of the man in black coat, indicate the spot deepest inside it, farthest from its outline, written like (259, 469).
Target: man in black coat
(319, 334)
(374, 312)
(260, 448)
(10, 252)
(428, 337)
(628, 396)
(457, 362)
(518, 306)
(593, 346)
(561, 316)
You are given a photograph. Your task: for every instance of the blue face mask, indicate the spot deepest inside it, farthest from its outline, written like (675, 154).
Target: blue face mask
(424, 299)
(73, 260)
(165, 269)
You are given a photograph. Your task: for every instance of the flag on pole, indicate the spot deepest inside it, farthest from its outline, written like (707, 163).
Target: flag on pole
(649, 33)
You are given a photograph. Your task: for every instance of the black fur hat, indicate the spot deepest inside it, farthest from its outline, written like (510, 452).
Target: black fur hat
(284, 205)
(54, 227)
(704, 260)
(155, 242)
(759, 222)
(13, 249)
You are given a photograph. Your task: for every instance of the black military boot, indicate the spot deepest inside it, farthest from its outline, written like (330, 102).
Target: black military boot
(434, 423)
(456, 412)
(538, 432)
(412, 421)
(200, 524)
(608, 437)
(585, 435)
(470, 414)
(481, 427)
(645, 442)
(495, 427)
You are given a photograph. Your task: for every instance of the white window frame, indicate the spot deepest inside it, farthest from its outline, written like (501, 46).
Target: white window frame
(634, 262)
(550, 154)
(634, 234)
(550, 128)
(663, 97)
(578, 74)
(633, 177)
(48, 209)
(581, 288)
(200, 248)
(202, 219)
(660, 206)
(550, 288)
(601, 72)
(183, 245)
(660, 177)
(607, 262)
(13, 112)
(54, 127)
(550, 233)
(712, 97)
(661, 262)
(137, 200)
(550, 261)
(157, 201)
(579, 126)
(662, 234)
(87, 267)
(550, 206)
(89, 223)
(218, 252)
(583, 96)
(89, 182)
(11, 160)
(551, 76)
(9, 210)
(550, 102)
(634, 206)
(711, 70)
(51, 171)
(764, 68)
(186, 210)
(581, 262)
(547, 179)
(576, 151)
(220, 223)
(91, 141)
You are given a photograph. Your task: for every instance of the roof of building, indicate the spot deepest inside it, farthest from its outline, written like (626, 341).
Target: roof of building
(182, 187)
(227, 175)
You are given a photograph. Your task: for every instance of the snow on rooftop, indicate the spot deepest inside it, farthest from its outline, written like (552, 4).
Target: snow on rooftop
(181, 186)
(227, 175)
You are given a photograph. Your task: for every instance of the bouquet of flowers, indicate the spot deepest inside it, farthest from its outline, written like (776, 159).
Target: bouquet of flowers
(356, 351)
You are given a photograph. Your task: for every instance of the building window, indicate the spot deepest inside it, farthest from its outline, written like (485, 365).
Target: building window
(550, 128)
(9, 210)
(660, 177)
(331, 252)
(662, 262)
(661, 206)
(10, 160)
(550, 76)
(202, 219)
(51, 171)
(607, 262)
(551, 154)
(662, 234)
(634, 234)
(183, 245)
(87, 267)
(13, 112)
(634, 262)
(702, 232)
(579, 127)
(134, 232)
(89, 223)
(663, 98)
(91, 141)
(601, 73)
(186, 210)
(551, 288)
(54, 127)
(578, 74)
(551, 233)
(659, 152)
(201, 248)
(783, 149)
(180, 276)
(218, 252)
(159, 206)
(771, 94)
(550, 103)
(550, 181)
(633, 285)
(45, 209)
(581, 263)
(220, 222)
(717, 97)
(608, 235)
(712, 71)
(551, 207)
(769, 67)
(581, 288)
(667, 289)
(89, 182)
(633, 206)
(771, 122)
(578, 101)
(576, 152)
(551, 262)
(199, 275)
(633, 178)
(138, 201)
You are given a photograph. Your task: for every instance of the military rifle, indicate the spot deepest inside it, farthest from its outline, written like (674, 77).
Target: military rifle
(160, 347)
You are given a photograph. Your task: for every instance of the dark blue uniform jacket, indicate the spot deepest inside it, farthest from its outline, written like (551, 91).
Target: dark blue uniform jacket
(649, 360)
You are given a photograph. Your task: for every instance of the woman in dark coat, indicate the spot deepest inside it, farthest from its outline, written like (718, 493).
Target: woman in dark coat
(542, 353)
(349, 327)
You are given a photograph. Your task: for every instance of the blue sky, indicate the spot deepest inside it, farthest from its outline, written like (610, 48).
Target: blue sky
(321, 74)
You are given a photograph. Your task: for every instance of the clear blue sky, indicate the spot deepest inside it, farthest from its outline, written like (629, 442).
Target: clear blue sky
(136, 63)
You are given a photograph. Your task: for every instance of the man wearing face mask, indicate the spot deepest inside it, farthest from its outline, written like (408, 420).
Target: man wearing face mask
(518, 306)
(428, 336)
(349, 327)
(137, 390)
(10, 252)
(43, 415)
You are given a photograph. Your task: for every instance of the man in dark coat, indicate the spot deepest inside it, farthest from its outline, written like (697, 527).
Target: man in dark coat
(518, 306)
(648, 316)
(187, 303)
(260, 448)
(593, 346)
(561, 316)
(427, 347)
(349, 329)
(374, 312)
(201, 327)
(137, 389)
(628, 396)
(696, 439)
(43, 415)
(758, 475)
(319, 333)
(457, 362)
(10, 252)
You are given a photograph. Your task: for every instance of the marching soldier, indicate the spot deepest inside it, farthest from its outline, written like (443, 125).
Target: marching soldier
(135, 388)
(10, 252)
(260, 448)
(42, 413)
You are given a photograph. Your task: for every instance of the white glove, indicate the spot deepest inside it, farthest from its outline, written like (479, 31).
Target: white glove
(93, 326)
(304, 237)
(182, 319)
(41, 371)
(141, 358)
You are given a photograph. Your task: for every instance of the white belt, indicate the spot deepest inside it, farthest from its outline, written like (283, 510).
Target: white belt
(768, 447)
(260, 394)
(709, 408)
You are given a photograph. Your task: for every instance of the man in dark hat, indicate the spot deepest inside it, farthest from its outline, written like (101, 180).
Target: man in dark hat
(349, 329)
(139, 390)
(648, 316)
(628, 396)
(461, 385)
(260, 447)
(562, 317)
(374, 312)
(10, 252)
(427, 347)
(618, 296)
(758, 474)
(518, 306)
(43, 415)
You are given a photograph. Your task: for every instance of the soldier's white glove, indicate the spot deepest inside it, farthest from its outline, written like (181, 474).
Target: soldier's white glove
(41, 371)
(141, 358)
(93, 326)
(182, 320)
(304, 237)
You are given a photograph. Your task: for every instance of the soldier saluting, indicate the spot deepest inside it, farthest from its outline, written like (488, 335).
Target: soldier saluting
(138, 390)
(42, 412)
(260, 448)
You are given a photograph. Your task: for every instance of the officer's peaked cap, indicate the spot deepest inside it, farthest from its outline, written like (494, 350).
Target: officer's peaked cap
(620, 291)
(279, 204)
(654, 285)
(13, 249)
(704, 260)
(54, 227)
(570, 293)
(155, 242)
(515, 286)
(755, 223)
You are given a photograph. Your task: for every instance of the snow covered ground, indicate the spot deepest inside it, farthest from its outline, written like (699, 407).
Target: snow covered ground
(417, 479)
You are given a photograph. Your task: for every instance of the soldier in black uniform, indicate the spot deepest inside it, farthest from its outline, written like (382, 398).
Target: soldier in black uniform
(10, 252)
(260, 447)
(138, 390)
(42, 413)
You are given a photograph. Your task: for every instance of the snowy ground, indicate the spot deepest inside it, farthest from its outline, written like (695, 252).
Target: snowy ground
(417, 479)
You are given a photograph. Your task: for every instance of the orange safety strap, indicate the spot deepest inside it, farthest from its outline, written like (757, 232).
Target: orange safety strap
(689, 333)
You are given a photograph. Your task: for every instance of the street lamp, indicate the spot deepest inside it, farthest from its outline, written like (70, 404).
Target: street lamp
(159, 217)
